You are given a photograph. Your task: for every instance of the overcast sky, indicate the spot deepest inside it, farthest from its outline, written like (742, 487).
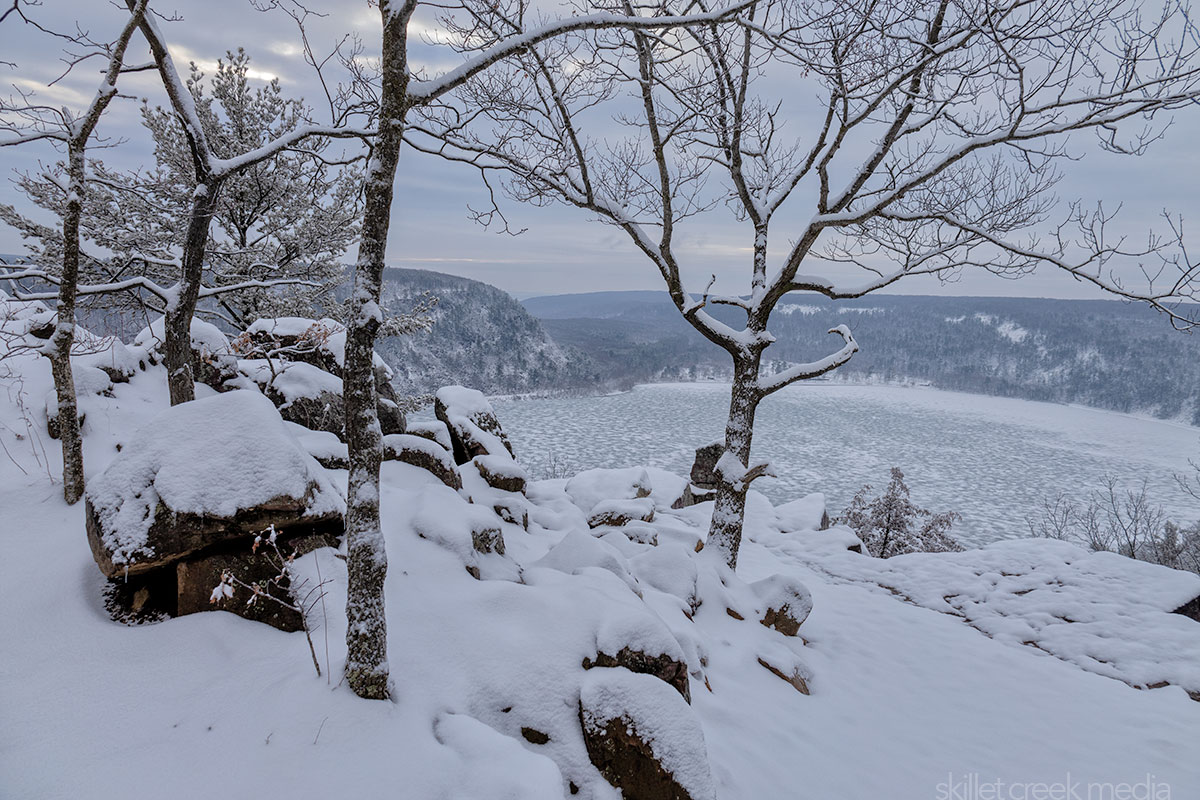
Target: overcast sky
(562, 250)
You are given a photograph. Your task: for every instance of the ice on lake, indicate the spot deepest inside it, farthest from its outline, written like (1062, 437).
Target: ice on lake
(991, 459)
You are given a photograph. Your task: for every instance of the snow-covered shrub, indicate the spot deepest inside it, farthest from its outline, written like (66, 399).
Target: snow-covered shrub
(891, 523)
(1118, 520)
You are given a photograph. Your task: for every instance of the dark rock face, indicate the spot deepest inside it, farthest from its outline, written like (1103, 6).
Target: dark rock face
(627, 761)
(175, 536)
(466, 425)
(704, 468)
(662, 666)
(693, 495)
(516, 513)
(321, 412)
(1190, 609)
(534, 736)
(703, 484)
(196, 578)
(214, 370)
(487, 540)
(186, 587)
(414, 450)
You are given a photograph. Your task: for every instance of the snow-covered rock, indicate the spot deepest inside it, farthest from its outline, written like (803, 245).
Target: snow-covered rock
(501, 472)
(788, 603)
(198, 473)
(423, 453)
(615, 513)
(643, 737)
(320, 344)
(472, 423)
(806, 514)
(594, 486)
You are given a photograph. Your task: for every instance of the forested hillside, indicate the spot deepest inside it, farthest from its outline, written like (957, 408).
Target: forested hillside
(480, 336)
(1107, 354)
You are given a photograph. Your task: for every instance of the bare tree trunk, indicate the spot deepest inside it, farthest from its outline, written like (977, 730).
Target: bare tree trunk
(729, 509)
(177, 349)
(64, 334)
(366, 551)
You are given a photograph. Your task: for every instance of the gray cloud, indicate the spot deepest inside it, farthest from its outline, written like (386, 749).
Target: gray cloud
(562, 249)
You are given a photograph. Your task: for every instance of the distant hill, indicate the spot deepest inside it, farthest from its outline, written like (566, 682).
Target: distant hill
(1103, 353)
(481, 337)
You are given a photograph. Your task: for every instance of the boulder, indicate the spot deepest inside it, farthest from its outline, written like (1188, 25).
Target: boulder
(433, 430)
(806, 514)
(703, 476)
(197, 579)
(593, 486)
(320, 344)
(472, 424)
(704, 467)
(643, 738)
(693, 495)
(423, 453)
(213, 362)
(513, 510)
(787, 600)
(1190, 609)
(621, 512)
(327, 448)
(666, 668)
(201, 474)
(501, 473)
(793, 676)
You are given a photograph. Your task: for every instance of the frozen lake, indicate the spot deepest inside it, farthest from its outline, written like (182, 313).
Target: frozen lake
(991, 459)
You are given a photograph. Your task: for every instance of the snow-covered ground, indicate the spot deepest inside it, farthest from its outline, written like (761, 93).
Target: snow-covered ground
(992, 459)
(928, 676)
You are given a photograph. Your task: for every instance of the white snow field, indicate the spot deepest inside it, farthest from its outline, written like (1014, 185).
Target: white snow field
(992, 459)
(922, 683)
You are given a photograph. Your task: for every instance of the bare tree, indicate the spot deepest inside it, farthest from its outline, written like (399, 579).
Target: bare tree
(933, 146)
(400, 91)
(24, 120)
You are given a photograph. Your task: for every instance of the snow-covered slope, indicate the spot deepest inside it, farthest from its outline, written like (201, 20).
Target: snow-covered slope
(908, 698)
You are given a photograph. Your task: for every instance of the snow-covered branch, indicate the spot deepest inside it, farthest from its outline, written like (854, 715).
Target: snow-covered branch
(812, 369)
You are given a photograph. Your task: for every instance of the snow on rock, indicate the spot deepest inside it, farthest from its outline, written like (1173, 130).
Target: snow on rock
(665, 487)
(203, 471)
(593, 486)
(206, 338)
(579, 551)
(472, 532)
(291, 380)
(670, 568)
(501, 472)
(806, 514)
(112, 356)
(643, 737)
(472, 423)
(642, 643)
(431, 429)
(616, 513)
(329, 451)
(493, 765)
(787, 601)
(423, 453)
